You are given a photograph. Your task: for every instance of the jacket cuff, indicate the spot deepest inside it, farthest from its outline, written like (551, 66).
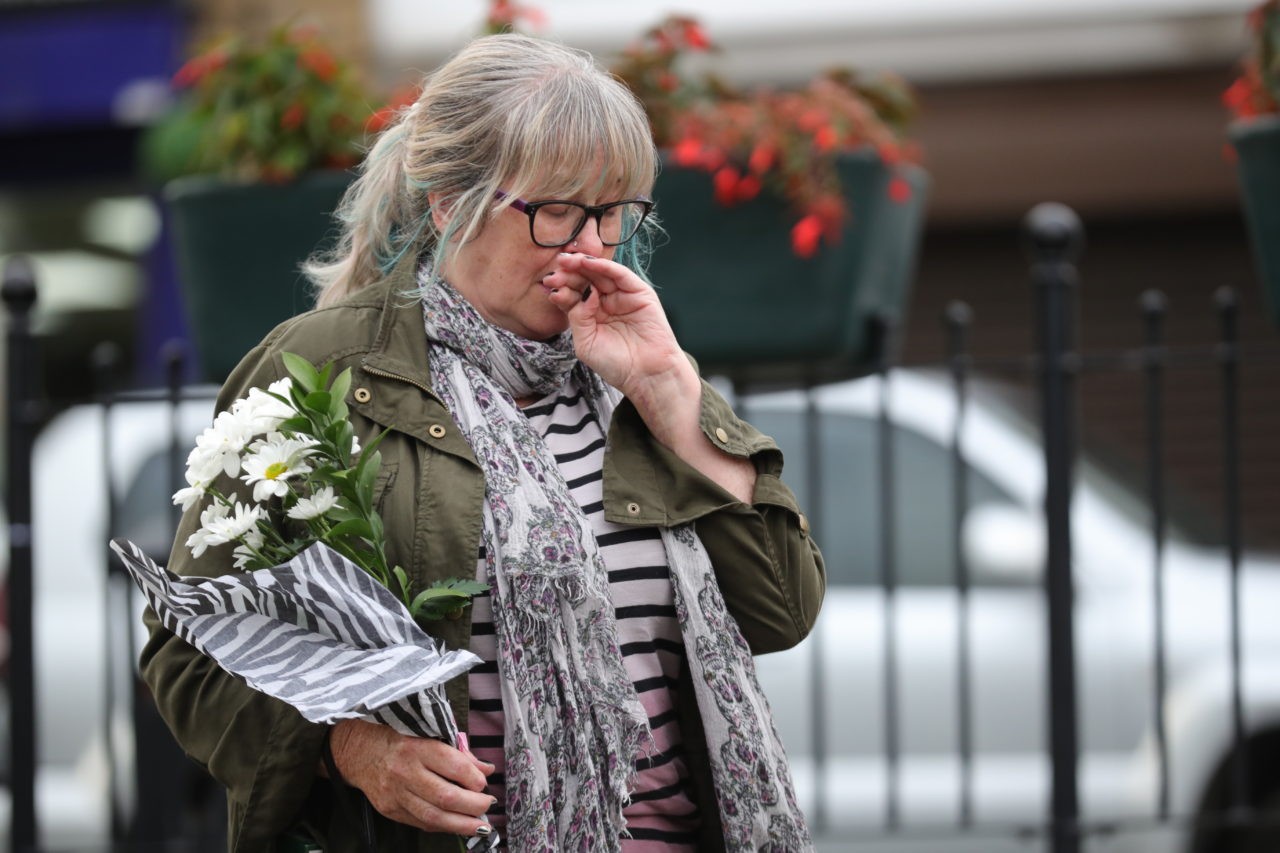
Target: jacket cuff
(659, 488)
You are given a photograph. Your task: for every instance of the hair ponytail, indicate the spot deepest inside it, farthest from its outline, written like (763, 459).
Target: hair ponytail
(381, 215)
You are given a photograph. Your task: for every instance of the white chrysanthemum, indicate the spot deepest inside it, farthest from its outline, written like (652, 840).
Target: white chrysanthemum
(189, 496)
(199, 541)
(315, 506)
(263, 411)
(273, 461)
(218, 448)
(244, 552)
(230, 528)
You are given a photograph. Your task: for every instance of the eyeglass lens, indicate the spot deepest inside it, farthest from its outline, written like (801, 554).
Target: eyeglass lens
(557, 223)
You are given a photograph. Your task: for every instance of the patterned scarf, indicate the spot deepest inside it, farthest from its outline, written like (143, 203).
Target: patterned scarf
(573, 722)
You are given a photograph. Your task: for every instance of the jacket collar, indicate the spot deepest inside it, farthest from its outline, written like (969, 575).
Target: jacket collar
(400, 345)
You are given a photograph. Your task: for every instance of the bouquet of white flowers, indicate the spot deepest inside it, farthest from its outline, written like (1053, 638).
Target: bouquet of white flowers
(317, 618)
(312, 482)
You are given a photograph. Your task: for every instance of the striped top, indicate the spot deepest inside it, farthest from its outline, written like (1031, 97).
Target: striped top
(662, 816)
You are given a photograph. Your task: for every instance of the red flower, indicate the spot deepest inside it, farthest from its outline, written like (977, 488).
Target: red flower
(319, 62)
(725, 181)
(899, 190)
(762, 158)
(806, 235)
(293, 116)
(668, 82)
(695, 37)
(189, 74)
(687, 153)
(748, 188)
(826, 138)
(198, 68)
(1239, 98)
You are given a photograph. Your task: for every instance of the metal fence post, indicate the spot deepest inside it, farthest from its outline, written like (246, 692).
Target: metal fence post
(1056, 237)
(19, 293)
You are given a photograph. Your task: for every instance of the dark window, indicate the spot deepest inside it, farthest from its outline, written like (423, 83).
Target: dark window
(848, 517)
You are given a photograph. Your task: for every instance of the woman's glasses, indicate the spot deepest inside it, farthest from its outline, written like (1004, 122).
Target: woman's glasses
(555, 223)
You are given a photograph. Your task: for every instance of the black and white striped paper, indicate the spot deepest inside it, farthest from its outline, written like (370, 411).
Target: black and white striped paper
(318, 632)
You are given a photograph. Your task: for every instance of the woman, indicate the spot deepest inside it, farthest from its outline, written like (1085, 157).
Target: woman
(548, 434)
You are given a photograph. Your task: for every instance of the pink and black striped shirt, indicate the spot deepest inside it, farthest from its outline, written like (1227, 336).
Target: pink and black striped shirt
(663, 815)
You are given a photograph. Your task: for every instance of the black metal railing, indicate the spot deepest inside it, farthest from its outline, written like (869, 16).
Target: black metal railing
(1054, 240)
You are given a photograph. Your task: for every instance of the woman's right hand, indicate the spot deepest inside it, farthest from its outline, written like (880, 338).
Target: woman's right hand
(421, 782)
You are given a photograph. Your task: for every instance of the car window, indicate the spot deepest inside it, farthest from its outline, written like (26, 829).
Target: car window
(847, 520)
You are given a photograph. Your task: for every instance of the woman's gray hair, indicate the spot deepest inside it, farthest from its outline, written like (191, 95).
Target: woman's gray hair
(508, 112)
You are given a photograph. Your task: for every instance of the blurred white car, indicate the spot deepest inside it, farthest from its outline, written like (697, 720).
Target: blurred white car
(1004, 540)
(1003, 537)
(88, 630)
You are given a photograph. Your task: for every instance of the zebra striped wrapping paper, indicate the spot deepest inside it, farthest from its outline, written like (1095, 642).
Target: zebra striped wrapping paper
(318, 632)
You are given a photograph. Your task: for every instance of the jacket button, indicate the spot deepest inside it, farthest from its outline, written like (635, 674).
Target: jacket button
(804, 524)
(633, 508)
(722, 435)
(362, 395)
(436, 431)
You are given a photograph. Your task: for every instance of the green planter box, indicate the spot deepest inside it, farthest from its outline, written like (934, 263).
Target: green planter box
(1257, 144)
(238, 251)
(748, 308)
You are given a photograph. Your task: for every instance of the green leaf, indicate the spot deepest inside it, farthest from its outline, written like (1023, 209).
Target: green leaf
(303, 372)
(317, 401)
(339, 434)
(341, 385)
(357, 527)
(295, 424)
(402, 578)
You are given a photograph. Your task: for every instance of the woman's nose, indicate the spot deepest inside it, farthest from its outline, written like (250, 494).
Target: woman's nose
(588, 240)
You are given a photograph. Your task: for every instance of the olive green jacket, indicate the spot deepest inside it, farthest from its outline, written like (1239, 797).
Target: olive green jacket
(429, 493)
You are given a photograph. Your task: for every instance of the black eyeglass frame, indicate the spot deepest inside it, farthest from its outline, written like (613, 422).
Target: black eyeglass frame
(592, 211)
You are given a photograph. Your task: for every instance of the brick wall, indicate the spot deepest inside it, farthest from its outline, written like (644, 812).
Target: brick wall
(344, 23)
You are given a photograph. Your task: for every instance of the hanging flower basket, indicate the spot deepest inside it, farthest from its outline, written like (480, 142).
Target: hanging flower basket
(239, 247)
(748, 307)
(1257, 145)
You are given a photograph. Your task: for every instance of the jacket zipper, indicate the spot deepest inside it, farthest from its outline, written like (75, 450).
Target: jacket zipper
(415, 383)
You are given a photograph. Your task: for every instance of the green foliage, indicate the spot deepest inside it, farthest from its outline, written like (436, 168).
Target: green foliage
(261, 112)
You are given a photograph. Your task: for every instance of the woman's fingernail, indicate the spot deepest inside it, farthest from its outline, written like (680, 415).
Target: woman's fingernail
(463, 743)
(484, 830)
(586, 293)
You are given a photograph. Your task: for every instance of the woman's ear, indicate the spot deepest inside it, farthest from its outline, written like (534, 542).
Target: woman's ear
(439, 211)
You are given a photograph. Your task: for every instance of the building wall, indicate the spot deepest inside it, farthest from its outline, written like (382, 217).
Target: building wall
(343, 23)
(1140, 157)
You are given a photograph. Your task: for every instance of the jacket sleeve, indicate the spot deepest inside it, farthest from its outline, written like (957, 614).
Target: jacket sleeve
(769, 568)
(261, 749)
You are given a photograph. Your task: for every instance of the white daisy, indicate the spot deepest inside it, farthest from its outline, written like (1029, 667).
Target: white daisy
(244, 552)
(230, 528)
(199, 541)
(273, 461)
(262, 411)
(189, 496)
(218, 448)
(315, 506)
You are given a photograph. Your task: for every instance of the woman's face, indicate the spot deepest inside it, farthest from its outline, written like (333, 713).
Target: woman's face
(500, 273)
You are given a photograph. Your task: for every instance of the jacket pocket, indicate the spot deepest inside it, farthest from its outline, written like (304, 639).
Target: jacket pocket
(382, 485)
